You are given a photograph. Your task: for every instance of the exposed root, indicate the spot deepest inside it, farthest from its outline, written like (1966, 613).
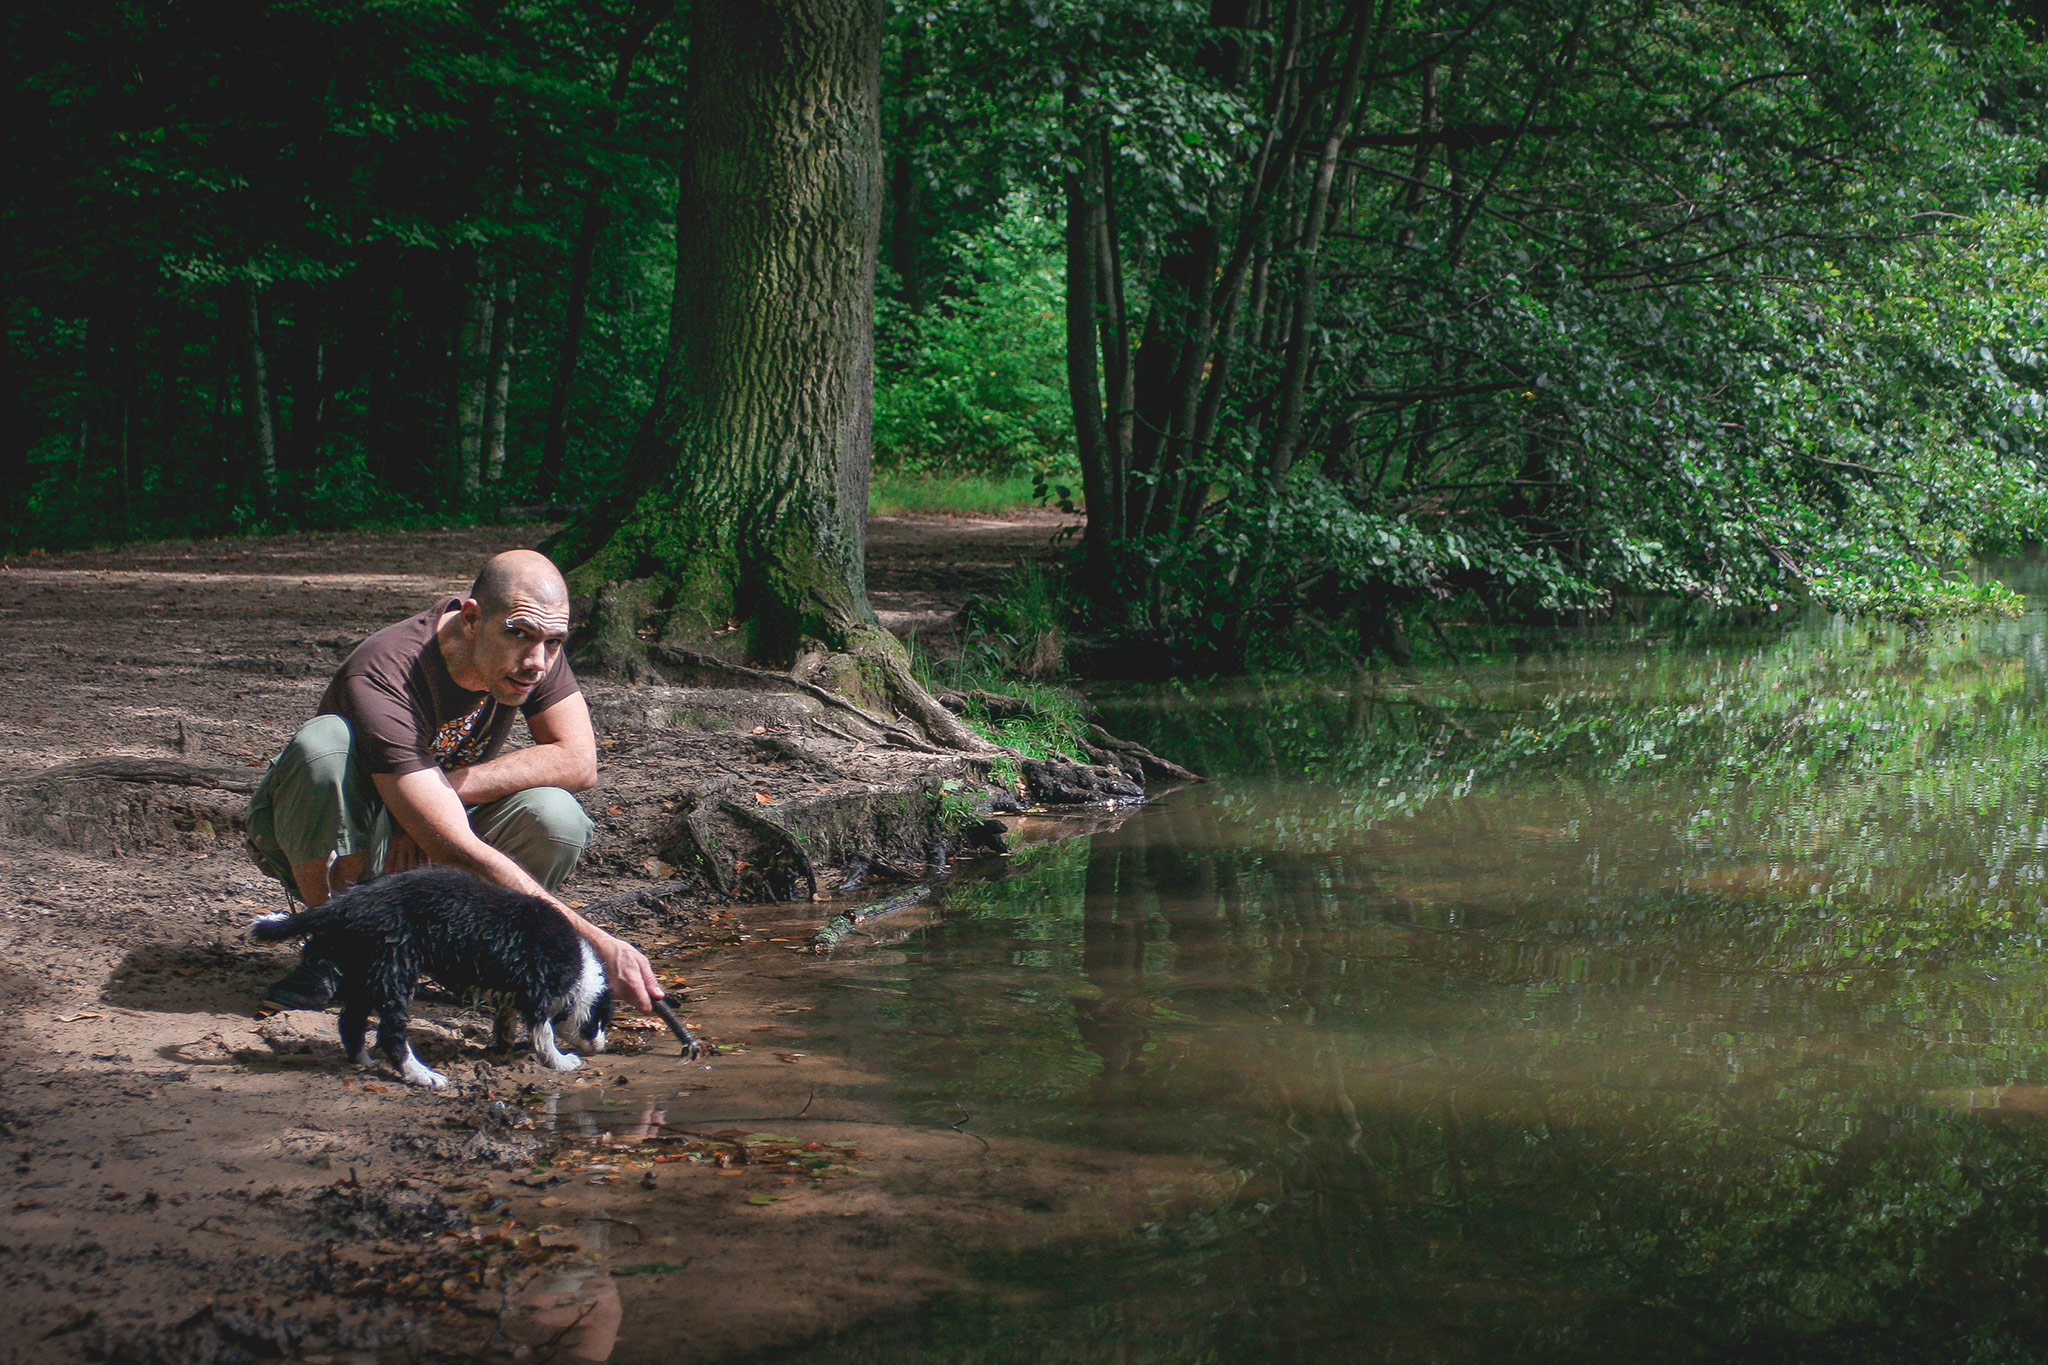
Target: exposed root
(167, 772)
(776, 832)
(123, 804)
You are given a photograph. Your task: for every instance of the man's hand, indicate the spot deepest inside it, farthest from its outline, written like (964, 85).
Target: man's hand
(404, 851)
(632, 975)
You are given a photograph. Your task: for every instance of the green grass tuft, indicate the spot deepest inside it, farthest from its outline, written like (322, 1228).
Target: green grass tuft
(893, 495)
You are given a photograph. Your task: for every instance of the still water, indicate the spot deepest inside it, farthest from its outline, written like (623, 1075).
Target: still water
(1673, 1000)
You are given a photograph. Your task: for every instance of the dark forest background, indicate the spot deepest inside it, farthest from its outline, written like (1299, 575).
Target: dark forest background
(1358, 314)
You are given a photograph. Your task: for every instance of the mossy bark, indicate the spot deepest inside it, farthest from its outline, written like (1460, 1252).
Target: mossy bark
(738, 527)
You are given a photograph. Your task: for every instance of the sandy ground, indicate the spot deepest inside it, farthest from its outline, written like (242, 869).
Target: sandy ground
(188, 1180)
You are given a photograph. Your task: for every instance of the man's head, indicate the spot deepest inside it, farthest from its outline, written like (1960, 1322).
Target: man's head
(516, 619)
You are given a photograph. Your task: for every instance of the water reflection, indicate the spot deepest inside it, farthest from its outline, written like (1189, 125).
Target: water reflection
(1680, 1003)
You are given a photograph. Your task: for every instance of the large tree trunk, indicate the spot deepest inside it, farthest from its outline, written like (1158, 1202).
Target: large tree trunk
(739, 526)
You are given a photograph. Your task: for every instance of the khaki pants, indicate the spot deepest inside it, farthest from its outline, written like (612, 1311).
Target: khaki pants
(313, 802)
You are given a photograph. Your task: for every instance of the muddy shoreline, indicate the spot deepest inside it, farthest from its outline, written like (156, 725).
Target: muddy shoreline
(190, 1181)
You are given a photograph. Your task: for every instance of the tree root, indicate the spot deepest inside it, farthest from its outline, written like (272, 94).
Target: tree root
(168, 772)
(1072, 784)
(696, 667)
(1133, 758)
(777, 832)
(124, 804)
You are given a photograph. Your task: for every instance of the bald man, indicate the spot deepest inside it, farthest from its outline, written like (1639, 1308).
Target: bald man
(404, 765)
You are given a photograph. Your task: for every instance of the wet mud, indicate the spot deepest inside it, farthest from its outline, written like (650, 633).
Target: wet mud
(189, 1178)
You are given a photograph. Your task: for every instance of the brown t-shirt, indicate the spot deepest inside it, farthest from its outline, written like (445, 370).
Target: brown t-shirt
(406, 710)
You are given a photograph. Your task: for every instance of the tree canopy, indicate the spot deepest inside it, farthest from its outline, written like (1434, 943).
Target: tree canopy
(1361, 315)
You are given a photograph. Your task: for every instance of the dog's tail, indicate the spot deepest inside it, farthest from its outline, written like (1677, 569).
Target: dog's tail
(279, 927)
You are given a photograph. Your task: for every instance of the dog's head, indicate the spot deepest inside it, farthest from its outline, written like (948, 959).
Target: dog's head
(593, 1026)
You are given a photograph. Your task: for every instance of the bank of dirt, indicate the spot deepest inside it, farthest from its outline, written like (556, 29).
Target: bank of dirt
(189, 1179)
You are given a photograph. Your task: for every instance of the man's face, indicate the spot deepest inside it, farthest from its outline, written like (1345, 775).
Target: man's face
(515, 648)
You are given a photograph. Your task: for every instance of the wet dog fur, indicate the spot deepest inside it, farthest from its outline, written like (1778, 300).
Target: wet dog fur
(471, 936)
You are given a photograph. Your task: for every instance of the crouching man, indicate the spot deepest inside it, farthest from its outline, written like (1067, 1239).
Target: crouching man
(403, 765)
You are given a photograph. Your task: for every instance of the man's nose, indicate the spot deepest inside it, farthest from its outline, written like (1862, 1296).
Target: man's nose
(535, 659)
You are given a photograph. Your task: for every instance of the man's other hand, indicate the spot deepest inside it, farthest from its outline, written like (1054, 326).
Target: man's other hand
(632, 975)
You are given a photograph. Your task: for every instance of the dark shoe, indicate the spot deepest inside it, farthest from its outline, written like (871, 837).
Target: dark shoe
(308, 986)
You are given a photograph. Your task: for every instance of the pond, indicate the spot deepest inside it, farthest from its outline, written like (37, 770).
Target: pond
(1671, 1000)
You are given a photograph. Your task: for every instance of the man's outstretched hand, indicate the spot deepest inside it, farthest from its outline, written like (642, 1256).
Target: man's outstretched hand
(631, 974)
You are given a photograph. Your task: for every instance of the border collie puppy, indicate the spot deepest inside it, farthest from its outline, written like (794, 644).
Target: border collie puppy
(471, 936)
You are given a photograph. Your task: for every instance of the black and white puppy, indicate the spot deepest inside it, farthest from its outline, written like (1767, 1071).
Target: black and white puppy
(471, 936)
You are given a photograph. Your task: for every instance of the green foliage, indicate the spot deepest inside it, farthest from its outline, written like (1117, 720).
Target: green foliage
(957, 810)
(365, 172)
(894, 493)
(977, 382)
(1739, 303)
(1018, 630)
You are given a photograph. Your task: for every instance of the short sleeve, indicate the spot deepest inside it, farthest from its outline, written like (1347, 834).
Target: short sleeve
(390, 735)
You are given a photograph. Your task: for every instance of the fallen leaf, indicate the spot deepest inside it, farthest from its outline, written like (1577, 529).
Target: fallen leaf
(764, 798)
(790, 1056)
(613, 810)
(552, 1202)
(760, 729)
(186, 971)
(764, 1199)
(372, 1085)
(74, 1018)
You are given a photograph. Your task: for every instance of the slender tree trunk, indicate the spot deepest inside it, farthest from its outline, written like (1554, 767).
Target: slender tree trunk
(1289, 424)
(576, 307)
(91, 386)
(256, 412)
(125, 384)
(499, 397)
(473, 381)
(1101, 477)
(18, 423)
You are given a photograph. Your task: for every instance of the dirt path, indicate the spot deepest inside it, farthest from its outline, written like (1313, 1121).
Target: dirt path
(188, 1180)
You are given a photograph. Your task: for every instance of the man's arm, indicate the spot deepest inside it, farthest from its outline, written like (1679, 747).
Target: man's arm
(428, 808)
(564, 754)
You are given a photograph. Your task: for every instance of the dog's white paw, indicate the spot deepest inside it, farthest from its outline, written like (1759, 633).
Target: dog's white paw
(416, 1072)
(563, 1061)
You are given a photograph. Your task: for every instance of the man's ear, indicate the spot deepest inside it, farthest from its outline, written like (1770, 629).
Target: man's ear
(472, 611)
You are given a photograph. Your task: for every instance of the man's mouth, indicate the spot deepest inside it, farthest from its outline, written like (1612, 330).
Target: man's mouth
(523, 685)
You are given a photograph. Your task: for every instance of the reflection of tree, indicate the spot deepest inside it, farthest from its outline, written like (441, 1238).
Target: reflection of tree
(1646, 1030)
